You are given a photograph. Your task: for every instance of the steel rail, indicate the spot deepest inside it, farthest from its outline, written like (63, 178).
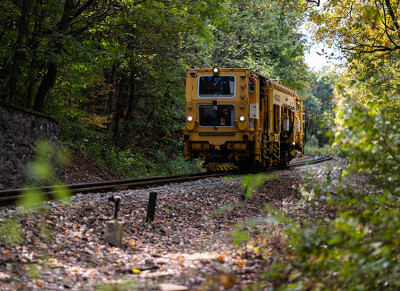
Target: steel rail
(9, 197)
(315, 160)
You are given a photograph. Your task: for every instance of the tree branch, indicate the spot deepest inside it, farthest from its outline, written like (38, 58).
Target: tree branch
(318, 2)
(391, 13)
(363, 49)
(82, 9)
(82, 29)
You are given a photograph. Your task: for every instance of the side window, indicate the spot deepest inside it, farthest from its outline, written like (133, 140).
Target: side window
(277, 118)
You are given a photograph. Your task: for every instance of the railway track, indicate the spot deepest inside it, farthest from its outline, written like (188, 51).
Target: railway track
(9, 197)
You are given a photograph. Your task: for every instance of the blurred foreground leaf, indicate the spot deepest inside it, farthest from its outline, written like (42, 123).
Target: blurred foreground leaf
(10, 230)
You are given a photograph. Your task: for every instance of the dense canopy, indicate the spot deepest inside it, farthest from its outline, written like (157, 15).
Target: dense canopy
(112, 71)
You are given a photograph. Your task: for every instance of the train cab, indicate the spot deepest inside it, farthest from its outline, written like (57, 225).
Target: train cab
(234, 120)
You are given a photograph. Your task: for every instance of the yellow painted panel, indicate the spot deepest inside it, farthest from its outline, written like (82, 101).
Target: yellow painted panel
(190, 125)
(200, 146)
(243, 125)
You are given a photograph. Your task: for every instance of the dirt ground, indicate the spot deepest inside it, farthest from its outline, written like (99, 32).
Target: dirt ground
(203, 238)
(83, 169)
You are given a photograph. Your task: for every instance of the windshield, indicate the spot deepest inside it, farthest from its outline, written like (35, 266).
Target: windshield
(223, 116)
(217, 86)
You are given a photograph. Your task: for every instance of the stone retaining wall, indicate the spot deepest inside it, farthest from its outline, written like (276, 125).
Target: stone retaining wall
(19, 131)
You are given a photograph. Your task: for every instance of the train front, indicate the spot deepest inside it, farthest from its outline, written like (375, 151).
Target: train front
(217, 111)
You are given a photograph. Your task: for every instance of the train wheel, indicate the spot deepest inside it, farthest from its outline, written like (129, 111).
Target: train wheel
(285, 159)
(245, 166)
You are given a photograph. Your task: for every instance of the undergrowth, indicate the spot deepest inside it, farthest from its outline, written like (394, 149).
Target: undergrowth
(359, 248)
(312, 148)
(128, 163)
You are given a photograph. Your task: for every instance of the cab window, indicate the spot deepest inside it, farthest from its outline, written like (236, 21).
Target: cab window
(223, 115)
(216, 86)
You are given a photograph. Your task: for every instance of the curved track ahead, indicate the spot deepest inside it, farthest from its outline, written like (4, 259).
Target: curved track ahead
(8, 197)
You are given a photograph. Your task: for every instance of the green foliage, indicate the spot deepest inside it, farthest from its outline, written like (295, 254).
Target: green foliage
(312, 141)
(251, 182)
(42, 171)
(311, 147)
(358, 250)
(121, 161)
(371, 137)
(120, 286)
(125, 162)
(240, 236)
(118, 68)
(175, 166)
(10, 231)
(262, 36)
(326, 150)
(130, 165)
(31, 199)
(319, 106)
(33, 271)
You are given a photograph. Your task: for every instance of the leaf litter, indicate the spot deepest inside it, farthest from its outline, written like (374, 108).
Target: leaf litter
(191, 244)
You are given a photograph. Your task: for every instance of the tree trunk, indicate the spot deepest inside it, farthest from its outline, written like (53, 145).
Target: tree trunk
(51, 74)
(32, 75)
(18, 53)
(47, 82)
(112, 104)
(117, 120)
(114, 93)
(132, 90)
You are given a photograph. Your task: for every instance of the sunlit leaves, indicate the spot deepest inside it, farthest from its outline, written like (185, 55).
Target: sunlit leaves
(358, 26)
(371, 136)
(359, 248)
(263, 36)
(371, 14)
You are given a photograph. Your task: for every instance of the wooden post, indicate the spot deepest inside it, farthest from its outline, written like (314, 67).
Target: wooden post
(114, 230)
(243, 198)
(151, 207)
(116, 209)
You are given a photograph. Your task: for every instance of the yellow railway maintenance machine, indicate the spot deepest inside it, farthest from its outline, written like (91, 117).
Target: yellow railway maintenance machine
(236, 118)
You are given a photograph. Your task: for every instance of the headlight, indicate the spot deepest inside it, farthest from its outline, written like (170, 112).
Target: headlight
(190, 118)
(242, 118)
(215, 70)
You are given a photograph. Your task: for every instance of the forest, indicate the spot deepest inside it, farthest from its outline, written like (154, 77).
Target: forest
(112, 72)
